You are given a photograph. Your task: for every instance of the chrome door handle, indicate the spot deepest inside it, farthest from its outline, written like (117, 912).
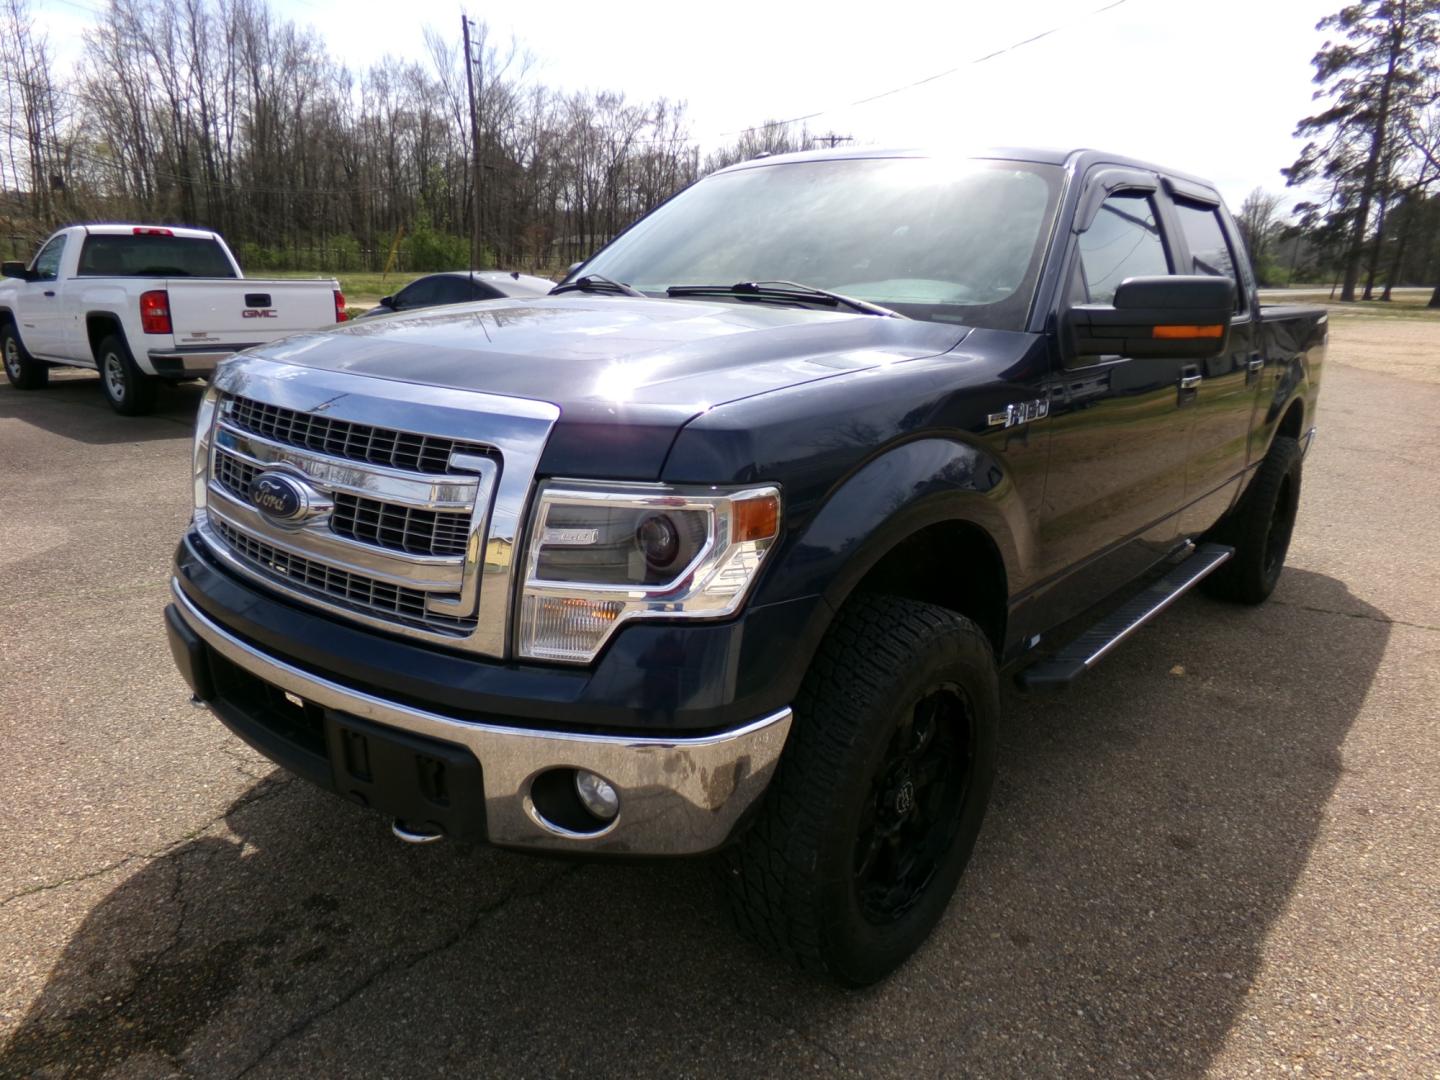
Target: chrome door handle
(1255, 365)
(1189, 382)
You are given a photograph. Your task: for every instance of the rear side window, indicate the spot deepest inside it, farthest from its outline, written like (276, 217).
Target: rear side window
(1209, 250)
(153, 256)
(1123, 242)
(452, 290)
(420, 293)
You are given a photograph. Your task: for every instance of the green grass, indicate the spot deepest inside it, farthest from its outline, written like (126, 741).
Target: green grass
(361, 290)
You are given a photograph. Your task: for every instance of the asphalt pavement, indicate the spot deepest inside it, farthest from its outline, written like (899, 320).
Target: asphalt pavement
(1218, 855)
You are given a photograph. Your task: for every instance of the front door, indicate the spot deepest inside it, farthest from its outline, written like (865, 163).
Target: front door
(38, 306)
(1119, 427)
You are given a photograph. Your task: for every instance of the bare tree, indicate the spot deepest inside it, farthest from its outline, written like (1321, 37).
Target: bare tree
(225, 113)
(1258, 222)
(37, 154)
(1369, 76)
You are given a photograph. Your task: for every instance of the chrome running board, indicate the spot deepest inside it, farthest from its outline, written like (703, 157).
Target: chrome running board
(1087, 650)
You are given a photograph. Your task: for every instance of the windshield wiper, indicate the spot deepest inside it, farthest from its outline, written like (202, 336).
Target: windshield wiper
(597, 283)
(784, 290)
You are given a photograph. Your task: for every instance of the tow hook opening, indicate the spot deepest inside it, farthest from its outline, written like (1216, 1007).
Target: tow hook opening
(574, 802)
(415, 834)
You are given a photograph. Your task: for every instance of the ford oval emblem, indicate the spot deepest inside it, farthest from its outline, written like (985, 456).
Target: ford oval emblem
(279, 496)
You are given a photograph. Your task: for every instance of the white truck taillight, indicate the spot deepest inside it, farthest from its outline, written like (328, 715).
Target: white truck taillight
(340, 313)
(155, 312)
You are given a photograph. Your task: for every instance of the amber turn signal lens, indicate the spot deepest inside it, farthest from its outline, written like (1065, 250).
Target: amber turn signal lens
(1189, 331)
(756, 519)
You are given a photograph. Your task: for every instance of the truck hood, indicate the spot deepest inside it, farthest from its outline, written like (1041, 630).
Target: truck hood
(626, 373)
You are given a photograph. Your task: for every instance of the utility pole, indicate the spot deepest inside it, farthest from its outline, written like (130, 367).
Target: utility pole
(833, 139)
(476, 245)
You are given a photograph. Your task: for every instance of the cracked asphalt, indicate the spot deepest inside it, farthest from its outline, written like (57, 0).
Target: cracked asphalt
(1218, 856)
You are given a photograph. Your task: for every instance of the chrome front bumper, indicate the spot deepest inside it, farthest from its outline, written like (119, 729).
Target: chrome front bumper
(677, 796)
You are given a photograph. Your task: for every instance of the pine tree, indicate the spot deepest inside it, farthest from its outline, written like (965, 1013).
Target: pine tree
(1371, 76)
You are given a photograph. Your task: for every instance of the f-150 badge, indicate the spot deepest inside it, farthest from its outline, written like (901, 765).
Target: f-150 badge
(1021, 413)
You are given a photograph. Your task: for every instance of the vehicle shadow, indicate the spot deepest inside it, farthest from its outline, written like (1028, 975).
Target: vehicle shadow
(73, 407)
(1147, 829)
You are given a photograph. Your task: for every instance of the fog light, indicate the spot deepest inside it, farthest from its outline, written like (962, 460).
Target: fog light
(597, 795)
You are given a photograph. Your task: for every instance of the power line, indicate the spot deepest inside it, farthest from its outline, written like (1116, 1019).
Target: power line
(78, 7)
(937, 75)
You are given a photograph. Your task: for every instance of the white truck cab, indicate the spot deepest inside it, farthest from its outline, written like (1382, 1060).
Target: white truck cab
(143, 304)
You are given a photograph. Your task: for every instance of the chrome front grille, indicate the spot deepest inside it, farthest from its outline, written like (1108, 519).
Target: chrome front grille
(366, 593)
(401, 528)
(342, 438)
(235, 474)
(368, 521)
(404, 501)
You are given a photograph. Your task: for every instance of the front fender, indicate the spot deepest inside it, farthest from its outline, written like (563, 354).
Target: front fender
(892, 497)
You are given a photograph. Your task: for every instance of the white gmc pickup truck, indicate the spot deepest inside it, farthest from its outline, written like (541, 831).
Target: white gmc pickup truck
(143, 304)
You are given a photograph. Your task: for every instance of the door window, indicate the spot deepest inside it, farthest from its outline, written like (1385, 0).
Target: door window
(1209, 251)
(47, 263)
(1123, 242)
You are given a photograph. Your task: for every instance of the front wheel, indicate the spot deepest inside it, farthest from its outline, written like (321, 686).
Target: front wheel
(879, 796)
(128, 389)
(23, 370)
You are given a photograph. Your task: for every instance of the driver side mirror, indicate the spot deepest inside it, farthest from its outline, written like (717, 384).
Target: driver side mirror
(14, 270)
(1170, 317)
(387, 301)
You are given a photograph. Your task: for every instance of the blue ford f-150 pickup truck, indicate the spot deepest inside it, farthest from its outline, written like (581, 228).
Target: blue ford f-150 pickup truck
(726, 544)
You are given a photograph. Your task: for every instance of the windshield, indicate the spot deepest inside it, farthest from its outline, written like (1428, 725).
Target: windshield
(948, 241)
(152, 255)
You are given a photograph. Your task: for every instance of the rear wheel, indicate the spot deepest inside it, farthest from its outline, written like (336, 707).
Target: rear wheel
(23, 370)
(128, 389)
(1260, 529)
(879, 796)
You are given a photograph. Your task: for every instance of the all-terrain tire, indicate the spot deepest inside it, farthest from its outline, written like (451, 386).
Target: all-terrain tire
(810, 880)
(128, 389)
(1260, 528)
(22, 369)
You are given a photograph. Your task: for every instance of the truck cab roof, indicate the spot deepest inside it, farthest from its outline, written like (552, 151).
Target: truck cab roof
(1077, 159)
(131, 229)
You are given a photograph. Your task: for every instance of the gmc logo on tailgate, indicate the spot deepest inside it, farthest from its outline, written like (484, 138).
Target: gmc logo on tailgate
(259, 313)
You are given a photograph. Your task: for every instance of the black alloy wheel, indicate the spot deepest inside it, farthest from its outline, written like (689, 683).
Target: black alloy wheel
(914, 810)
(877, 801)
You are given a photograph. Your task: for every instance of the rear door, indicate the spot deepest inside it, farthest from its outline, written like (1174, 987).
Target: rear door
(1119, 425)
(1225, 397)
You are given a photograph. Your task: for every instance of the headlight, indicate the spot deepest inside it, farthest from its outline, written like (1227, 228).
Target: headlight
(600, 556)
(204, 421)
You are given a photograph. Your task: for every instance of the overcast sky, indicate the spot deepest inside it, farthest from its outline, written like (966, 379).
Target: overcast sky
(1213, 88)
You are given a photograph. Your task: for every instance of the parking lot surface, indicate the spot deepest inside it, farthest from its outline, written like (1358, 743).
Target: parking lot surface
(1218, 855)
